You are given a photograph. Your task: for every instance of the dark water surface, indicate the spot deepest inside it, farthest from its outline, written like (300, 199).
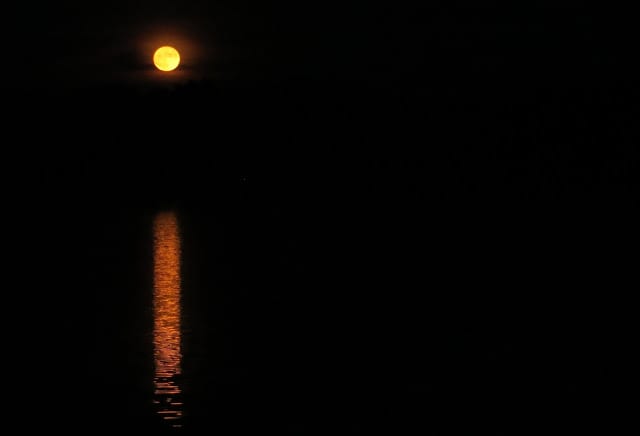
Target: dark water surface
(320, 265)
(259, 325)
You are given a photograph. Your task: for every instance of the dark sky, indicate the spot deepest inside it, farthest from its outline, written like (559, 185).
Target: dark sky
(498, 67)
(242, 37)
(78, 42)
(488, 59)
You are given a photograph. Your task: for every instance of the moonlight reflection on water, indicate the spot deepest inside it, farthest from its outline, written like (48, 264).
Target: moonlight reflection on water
(166, 318)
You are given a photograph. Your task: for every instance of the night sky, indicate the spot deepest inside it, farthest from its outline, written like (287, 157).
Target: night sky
(379, 150)
(81, 42)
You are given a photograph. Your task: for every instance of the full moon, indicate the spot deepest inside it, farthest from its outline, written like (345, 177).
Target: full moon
(166, 58)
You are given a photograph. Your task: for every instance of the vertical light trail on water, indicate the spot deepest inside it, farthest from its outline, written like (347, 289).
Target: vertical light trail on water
(166, 318)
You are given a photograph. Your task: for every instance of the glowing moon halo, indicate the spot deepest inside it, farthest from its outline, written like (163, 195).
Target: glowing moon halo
(166, 58)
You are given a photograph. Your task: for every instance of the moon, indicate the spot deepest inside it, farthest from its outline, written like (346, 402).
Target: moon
(166, 58)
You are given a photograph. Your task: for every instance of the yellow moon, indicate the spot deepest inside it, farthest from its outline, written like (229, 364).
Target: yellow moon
(166, 58)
